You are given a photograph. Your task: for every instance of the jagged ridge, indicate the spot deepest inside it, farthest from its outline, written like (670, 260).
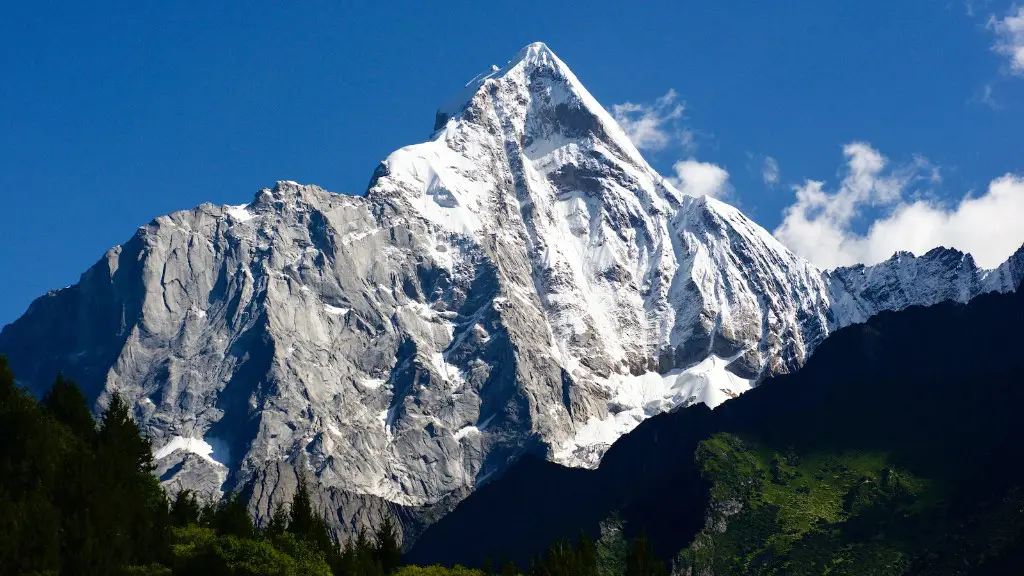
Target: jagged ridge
(524, 282)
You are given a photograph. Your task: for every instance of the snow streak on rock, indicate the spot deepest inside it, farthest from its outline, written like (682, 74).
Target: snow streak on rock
(522, 282)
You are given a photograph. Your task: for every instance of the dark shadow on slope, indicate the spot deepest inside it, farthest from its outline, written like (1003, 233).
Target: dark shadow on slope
(939, 389)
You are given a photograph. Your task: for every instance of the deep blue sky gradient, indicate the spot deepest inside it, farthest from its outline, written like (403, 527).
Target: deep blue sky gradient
(114, 113)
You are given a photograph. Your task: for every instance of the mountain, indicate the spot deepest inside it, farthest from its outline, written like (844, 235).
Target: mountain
(521, 283)
(894, 450)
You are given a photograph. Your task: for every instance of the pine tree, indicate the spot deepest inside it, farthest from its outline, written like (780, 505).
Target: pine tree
(66, 403)
(642, 561)
(301, 518)
(612, 547)
(121, 438)
(366, 557)
(278, 523)
(587, 556)
(232, 518)
(309, 525)
(31, 453)
(388, 552)
(131, 512)
(185, 509)
(346, 565)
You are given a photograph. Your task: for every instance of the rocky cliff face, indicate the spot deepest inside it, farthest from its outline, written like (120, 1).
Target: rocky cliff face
(523, 282)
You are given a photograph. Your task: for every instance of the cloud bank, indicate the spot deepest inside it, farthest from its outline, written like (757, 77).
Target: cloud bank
(818, 225)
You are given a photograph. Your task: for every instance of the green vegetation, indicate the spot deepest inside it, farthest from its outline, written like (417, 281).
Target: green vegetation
(78, 497)
(779, 512)
(81, 499)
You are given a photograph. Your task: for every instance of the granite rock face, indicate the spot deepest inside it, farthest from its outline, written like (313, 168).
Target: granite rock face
(523, 282)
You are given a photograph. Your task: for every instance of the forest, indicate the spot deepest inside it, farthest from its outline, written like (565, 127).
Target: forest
(78, 497)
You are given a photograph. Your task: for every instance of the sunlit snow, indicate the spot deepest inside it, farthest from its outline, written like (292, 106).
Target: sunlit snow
(335, 311)
(240, 213)
(637, 398)
(196, 446)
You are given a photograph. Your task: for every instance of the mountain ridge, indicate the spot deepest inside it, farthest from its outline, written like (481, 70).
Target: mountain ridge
(522, 283)
(933, 390)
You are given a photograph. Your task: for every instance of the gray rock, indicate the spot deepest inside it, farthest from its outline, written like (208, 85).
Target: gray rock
(523, 282)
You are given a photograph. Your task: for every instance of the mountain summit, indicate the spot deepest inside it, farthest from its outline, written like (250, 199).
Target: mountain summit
(523, 282)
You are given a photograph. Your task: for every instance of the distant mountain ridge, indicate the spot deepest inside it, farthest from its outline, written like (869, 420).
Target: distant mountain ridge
(522, 283)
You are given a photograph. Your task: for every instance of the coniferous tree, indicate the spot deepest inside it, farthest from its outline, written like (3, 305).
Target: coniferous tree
(389, 553)
(232, 518)
(612, 547)
(366, 557)
(587, 556)
(642, 561)
(278, 522)
(185, 509)
(133, 515)
(30, 462)
(309, 525)
(66, 403)
(346, 565)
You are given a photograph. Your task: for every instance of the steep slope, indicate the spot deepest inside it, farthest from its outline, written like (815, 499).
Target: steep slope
(893, 450)
(522, 283)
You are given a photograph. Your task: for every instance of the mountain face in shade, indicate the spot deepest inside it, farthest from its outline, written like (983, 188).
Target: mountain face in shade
(894, 450)
(522, 283)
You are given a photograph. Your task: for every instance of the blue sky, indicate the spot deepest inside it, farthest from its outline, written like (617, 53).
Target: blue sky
(113, 115)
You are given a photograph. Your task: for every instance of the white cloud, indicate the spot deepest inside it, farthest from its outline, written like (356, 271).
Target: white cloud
(818, 225)
(654, 126)
(770, 171)
(1010, 38)
(695, 178)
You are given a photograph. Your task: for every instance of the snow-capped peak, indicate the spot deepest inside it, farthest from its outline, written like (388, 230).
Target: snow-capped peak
(523, 280)
(538, 90)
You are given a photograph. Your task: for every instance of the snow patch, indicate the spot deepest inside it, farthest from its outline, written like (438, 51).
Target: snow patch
(450, 372)
(196, 446)
(371, 383)
(335, 311)
(240, 213)
(636, 398)
(465, 431)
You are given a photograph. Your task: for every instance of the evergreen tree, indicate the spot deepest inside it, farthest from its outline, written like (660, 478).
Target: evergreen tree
(301, 518)
(642, 561)
(366, 557)
(587, 556)
(388, 552)
(232, 518)
(308, 525)
(612, 547)
(66, 403)
(346, 565)
(31, 453)
(278, 522)
(185, 509)
(131, 513)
